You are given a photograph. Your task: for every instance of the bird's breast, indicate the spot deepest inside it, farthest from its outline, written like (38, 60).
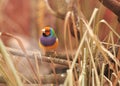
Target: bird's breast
(47, 41)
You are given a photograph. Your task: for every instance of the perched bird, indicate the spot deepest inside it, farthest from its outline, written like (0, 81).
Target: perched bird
(48, 40)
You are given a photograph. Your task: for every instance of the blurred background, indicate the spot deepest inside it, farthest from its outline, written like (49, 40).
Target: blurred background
(25, 18)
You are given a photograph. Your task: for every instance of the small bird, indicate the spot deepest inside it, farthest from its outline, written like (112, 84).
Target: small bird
(48, 40)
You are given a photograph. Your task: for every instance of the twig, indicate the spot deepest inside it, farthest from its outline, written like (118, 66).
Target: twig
(31, 54)
(51, 78)
(113, 5)
(60, 55)
(60, 58)
(54, 72)
(46, 79)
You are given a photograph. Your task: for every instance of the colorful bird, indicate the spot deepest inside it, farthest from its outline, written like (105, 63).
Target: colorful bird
(48, 40)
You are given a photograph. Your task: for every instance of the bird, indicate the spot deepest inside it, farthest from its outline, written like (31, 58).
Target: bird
(48, 40)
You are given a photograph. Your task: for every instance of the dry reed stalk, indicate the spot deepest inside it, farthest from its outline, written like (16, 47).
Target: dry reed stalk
(65, 30)
(10, 64)
(22, 48)
(54, 72)
(38, 70)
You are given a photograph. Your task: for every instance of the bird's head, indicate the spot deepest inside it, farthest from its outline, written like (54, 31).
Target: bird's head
(48, 31)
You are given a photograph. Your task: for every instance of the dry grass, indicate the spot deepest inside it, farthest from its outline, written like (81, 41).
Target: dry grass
(90, 42)
(85, 67)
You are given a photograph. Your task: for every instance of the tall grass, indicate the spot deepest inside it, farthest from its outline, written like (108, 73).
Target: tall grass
(91, 54)
(90, 42)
